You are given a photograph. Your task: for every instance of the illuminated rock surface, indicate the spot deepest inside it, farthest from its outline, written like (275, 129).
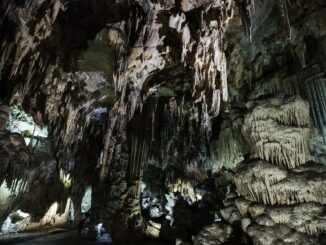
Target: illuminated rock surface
(184, 121)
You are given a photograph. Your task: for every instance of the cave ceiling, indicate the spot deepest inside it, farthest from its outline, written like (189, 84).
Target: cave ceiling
(139, 99)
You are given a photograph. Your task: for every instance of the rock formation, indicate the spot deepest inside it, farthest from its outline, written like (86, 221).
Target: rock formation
(197, 120)
(283, 191)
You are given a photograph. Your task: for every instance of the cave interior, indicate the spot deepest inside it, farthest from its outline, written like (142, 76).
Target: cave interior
(164, 121)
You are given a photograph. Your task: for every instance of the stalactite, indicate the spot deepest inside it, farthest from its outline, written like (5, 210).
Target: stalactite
(282, 4)
(316, 92)
(4, 115)
(268, 120)
(109, 145)
(228, 148)
(245, 8)
(211, 68)
(26, 40)
(139, 147)
(274, 185)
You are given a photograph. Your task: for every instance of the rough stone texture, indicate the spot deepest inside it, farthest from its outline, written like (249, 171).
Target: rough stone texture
(28, 177)
(126, 84)
(214, 234)
(290, 196)
(231, 214)
(279, 234)
(303, 217)
(318, 149)
(266, 123)
(4, 114)
(260, 181)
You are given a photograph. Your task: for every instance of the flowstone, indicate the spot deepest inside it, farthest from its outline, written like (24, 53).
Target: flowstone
(283, 194)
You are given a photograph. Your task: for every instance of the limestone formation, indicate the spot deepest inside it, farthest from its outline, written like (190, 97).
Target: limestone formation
(289, 192)
(201, 119)
(214, 234)
(269, 120)
(4, 114)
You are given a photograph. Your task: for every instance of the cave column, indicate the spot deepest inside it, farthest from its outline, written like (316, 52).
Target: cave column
(4, 115)
(115, 199)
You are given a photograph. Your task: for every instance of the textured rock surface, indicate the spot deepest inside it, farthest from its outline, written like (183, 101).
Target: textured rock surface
(214, 234)
(289, 191)
(261, 181)
(163, 93)
(266, 124)
(279, 234)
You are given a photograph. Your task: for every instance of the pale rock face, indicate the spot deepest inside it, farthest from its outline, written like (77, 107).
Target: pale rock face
(119, 82)
(231, 214)
(20, 122)
(187, 5)
(14, 222)
(303, 217)
(269, 120)
(26, 39)
(8, 197)
(256, 209)
(242, 205)
(262, 182)
(278, 234)
(86, 202)
(214, 234)
(283, 194)
(245, 222)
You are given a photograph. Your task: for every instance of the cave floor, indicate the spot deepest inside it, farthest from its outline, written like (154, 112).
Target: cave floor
(62, 238)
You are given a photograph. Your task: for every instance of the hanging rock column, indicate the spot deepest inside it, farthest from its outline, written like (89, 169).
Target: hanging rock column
(283, 194)
(4, 115)
(115, 199)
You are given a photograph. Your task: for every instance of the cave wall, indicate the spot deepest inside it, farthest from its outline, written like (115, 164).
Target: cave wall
(179, 87)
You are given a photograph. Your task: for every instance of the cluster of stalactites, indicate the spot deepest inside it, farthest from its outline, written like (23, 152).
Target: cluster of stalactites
(245, 10)
(172, 137)
(139, 147)
(169, 120)
(266, 124)
(27, 37)
(210, 67)
(138, 41)
(4, 115)
(314, 90)
(262, 182)
(184, 187)
(228, 148)
(316, 93)
(304, 217)
(140, 55)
